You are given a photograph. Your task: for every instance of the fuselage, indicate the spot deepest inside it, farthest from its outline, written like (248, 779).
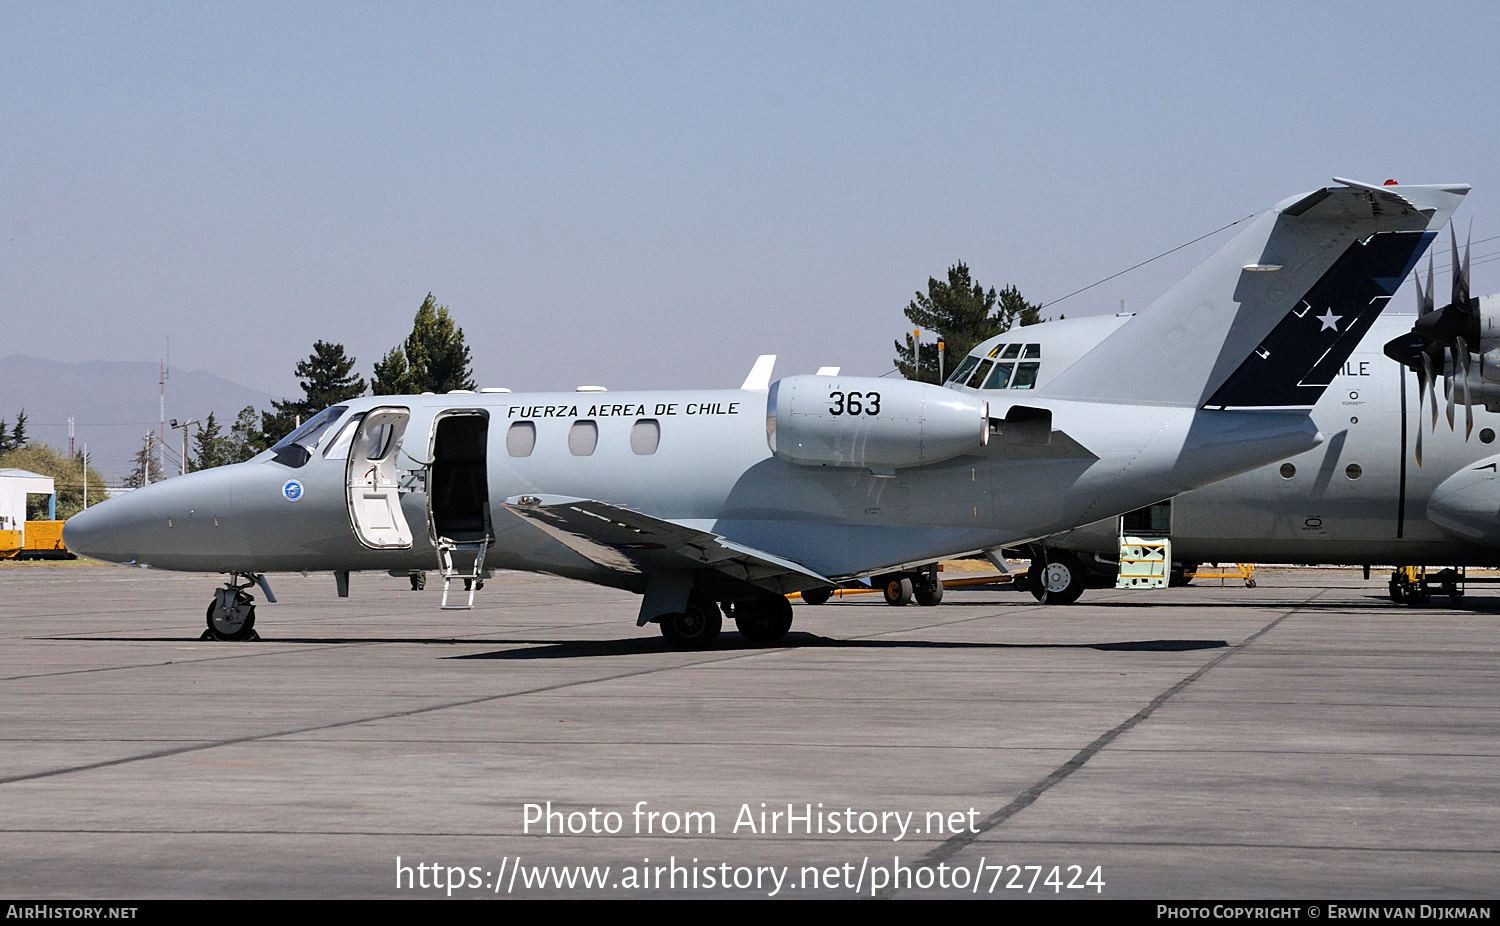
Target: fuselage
(706, 464)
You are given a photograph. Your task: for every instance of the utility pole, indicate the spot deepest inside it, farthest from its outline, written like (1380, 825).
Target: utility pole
(70, 437)
(85, 475)
(185, 425)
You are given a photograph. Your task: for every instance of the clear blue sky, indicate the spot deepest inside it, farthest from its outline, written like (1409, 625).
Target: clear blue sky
(651, 194)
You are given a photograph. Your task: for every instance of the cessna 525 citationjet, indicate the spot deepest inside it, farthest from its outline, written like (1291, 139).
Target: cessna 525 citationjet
(700, 500)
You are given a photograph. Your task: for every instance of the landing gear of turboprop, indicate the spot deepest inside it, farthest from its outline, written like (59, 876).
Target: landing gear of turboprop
(231, 614)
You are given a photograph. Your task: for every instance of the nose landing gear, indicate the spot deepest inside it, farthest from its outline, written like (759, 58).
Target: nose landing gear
(231, 615)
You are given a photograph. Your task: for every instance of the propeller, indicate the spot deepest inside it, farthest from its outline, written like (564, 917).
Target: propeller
(1438, 344)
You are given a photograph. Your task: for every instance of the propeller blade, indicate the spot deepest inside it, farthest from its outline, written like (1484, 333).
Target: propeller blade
(1427, 304)
(1449, 390)
(1463, 366)
(1460, 277)
(1429, 384)
(1424, 297)
(1421, 392)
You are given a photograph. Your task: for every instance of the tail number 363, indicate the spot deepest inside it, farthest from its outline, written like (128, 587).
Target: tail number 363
(854, 403)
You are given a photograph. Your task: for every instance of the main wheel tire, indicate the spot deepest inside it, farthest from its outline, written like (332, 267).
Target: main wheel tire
(1181, 576)
(696, 628)
(1060, 580)
(898, 591)
(928, 597)
(238, 623)
(764, 620)
(817, 595)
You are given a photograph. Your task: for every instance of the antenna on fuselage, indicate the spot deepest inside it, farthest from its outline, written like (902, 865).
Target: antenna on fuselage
(759, 379)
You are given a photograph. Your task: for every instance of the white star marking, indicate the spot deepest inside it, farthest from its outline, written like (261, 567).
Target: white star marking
(1329, 320)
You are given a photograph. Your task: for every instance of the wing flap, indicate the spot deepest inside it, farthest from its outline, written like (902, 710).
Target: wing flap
(629, 541)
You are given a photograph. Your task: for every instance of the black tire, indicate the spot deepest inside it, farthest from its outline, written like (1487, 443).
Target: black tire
(929, 597)
(231, 628)
(696, 628)
(765, 620)
(1181, 576)
(898, 591)
(1060, 580)
(817, 595)
(1398, 589)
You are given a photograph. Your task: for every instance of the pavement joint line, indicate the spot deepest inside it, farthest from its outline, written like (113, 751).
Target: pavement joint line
(954, 844)
(391, 715)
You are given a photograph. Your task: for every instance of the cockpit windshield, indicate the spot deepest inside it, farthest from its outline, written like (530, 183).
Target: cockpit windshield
(297, 447)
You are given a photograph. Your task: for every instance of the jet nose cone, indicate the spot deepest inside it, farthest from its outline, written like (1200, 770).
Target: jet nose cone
(91, 533)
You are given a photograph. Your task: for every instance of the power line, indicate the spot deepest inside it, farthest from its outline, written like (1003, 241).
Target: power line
(1145, 262)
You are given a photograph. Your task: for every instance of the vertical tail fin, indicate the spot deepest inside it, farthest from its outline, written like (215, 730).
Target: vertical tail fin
(1268, 319)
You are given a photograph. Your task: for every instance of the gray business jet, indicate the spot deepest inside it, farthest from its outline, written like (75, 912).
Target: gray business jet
(721, 502)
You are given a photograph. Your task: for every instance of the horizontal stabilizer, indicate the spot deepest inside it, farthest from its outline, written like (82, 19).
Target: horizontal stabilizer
(628, 541)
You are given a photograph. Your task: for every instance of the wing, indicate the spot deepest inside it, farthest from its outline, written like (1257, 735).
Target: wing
(627, 541)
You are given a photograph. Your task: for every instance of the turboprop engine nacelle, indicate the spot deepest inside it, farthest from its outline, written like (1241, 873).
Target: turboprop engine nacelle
(861, 421)
(1489, 338)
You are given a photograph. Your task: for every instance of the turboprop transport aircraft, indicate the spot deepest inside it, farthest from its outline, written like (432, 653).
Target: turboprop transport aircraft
(706, 500)
(1359, 498)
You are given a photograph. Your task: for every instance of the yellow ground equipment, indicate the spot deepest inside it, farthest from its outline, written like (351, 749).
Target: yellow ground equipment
(37, 540)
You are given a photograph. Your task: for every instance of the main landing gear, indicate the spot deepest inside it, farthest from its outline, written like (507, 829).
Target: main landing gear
(759, 620)
(695, 628)
(762, 620)
(1057, 577)
(231, 615)
(923, 586)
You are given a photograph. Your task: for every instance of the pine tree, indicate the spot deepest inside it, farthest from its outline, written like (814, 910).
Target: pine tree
(210, 447)
(328, 378)
(961, 313)
(246, 438)
(18, 436)
(433, 358)
(5, 441)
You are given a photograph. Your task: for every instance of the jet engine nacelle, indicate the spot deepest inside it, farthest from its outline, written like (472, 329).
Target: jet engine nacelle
(861, 421)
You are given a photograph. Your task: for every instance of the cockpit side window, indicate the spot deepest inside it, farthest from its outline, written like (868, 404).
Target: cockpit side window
(999, 376)
(338, 448)
(1025, 375)
(979, 374)
(296, 448)
(1032, 352)
(964, 369)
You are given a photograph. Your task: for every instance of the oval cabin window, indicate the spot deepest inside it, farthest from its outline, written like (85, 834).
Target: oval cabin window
(520, 439)
(583, 437)
(645, 437)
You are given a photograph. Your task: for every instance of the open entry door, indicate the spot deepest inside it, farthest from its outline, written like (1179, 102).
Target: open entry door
(458, 488)
(374, 496)
(458, 499)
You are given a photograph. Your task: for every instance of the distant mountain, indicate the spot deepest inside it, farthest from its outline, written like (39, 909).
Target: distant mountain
(113, 404)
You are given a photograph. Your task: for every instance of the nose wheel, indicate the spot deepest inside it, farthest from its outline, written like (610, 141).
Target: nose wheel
(231, 615)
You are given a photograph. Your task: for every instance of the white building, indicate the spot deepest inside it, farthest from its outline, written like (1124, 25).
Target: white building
(15, 485)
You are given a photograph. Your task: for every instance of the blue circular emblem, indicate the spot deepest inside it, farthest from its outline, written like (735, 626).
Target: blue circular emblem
(292, 490)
